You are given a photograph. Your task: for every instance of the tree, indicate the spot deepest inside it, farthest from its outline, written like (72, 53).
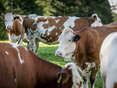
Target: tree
(83, 8)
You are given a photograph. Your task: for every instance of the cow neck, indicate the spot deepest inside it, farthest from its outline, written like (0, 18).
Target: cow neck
(83, 28)
(79, 31)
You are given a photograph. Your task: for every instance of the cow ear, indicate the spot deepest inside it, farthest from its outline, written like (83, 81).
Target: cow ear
(76, 38)
(94, 17)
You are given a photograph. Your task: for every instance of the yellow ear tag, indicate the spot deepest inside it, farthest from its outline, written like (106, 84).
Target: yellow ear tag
(59, 80)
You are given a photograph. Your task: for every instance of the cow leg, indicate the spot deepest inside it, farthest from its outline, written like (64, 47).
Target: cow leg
(104, 79)
(86, 81)
(93, 77)
(36, 45)
(13, 38)
(21, 41)
(32, 45)
(9, 37)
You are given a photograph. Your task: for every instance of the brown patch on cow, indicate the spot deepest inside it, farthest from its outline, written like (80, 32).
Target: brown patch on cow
(82, 22)
(28, 23)
(17, 28)
(52, 22)
(115, 85)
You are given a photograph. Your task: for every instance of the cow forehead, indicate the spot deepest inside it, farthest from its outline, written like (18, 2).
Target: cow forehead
(66, 34)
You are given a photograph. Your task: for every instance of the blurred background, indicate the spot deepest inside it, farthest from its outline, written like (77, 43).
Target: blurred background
(106, 9)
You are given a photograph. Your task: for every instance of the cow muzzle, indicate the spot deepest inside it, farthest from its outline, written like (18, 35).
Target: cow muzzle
(58, 53)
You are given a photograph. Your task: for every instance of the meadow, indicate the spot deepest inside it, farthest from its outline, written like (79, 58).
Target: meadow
(47, 52)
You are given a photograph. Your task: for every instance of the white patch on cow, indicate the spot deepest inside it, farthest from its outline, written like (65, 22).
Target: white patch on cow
(50, 38)
(47, 22)
(41, 28)
(32, 16)
(8, 20)
(56, 33)
(14, 38)
(90, 65)
(16, 47)
(6, 52)
(50, 29)
(57, 20)
(15, 80)
(75, 74)
(70, 22)
(45, 17)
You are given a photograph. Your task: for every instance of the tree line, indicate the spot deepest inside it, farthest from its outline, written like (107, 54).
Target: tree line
(80, 8)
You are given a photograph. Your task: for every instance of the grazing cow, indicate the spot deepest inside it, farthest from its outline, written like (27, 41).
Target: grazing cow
(48, 29)
(108, 61)
(84, 45)
(13, 25)
(21, 68)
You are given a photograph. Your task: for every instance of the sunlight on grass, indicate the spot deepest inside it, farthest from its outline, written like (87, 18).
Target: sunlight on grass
(4, 41)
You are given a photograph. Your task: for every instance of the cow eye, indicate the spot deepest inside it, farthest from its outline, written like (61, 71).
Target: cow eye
(76, 38)
(70, 40)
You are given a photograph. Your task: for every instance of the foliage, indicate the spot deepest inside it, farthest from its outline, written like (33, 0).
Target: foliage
(83, 8)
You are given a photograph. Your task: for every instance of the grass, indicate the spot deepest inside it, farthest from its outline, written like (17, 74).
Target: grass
(47, 52)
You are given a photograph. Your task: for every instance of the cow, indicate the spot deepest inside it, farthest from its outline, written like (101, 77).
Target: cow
(14, 28)
(84, 46)
(108, 61)
(47, 29)
(21, 68)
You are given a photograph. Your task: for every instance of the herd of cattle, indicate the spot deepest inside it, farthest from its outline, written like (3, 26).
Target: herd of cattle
(86, 40)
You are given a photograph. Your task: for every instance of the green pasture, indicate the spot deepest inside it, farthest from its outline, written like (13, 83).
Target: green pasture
(47, 52)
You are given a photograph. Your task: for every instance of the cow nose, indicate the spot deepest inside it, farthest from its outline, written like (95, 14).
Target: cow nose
(58, 53)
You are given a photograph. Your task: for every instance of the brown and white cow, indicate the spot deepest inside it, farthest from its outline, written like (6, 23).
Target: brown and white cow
(48, 29)
(21, 68)
(108, 61)
(84, 45)
(13, 25)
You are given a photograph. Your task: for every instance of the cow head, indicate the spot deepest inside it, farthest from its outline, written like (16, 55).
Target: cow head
(8, 20)
(69, 77)
(97, 21)
(67, 44)
(19, 18)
